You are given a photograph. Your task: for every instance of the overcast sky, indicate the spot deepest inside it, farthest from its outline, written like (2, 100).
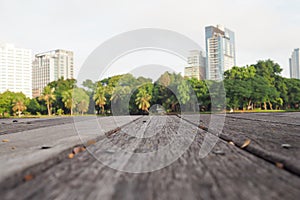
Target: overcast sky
(263, 28)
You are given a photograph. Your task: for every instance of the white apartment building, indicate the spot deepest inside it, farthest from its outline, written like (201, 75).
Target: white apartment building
(220, 51)
(50, 66)
(15, 69)
(196, 65)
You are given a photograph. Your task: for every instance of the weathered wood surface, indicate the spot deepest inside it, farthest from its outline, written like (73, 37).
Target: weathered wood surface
(274, 137)
(25, 148)
(7, 126)
(228, 172)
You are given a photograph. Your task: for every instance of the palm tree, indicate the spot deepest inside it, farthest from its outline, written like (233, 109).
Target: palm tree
(49, 97)
(99, 97)
(143, 100)
(19, 106)
(67, 98)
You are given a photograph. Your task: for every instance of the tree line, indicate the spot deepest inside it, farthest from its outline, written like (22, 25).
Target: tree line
(258, 86)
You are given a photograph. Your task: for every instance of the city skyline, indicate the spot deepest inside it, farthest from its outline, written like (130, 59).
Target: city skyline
(265, 29)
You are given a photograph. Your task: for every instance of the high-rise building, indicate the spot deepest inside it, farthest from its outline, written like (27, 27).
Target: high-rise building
(51, 66)
(15, 69)
(295, 64)
(196, 65)
(220, 51)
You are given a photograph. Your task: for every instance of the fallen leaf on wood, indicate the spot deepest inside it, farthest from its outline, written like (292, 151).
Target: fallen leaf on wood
(113, 131)
(90, 142)
(231, 143)
(82, 148)
(76, 150)
(203, 128)
(28, 177)
(5, 140)
(286, 146)
(71, 155)
(279, 165)
(246, 143)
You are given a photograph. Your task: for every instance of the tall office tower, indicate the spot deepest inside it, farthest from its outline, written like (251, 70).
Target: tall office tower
(196, 65)
(51, 66)
(295, 64)
(15, 69)
(220, 51)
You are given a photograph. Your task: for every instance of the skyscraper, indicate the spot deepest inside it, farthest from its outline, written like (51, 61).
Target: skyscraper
(196, 65)
(295, 64)
(15, 69)
(51, 66)
(220, 51)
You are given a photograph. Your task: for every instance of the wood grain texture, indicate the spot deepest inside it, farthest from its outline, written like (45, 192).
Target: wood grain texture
(267, 132)
(228, 172)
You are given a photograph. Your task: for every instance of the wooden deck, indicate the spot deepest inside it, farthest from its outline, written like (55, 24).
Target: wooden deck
(267, 168)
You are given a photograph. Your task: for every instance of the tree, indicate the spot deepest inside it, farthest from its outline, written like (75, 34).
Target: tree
(33, 106)
(82, 106)
(67, 98)
(99, 97)
(143, 99)
(60, 86)
(19, 106)
(80, 100)
(48, 96)
(6, 102)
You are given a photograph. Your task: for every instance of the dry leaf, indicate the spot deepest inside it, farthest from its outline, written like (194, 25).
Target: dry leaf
(82, 148)
(76, 150)
(71, 155)
(28, 177)
(231, 143)
(279, 165)
(5, 140)
(90, 142)
(246, 143)
(203, 127)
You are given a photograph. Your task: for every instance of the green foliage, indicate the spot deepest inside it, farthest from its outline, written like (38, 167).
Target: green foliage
(49, 97)
(257, 86)
(143, 99)
(11, 103)
(260, 86)
(33, 106)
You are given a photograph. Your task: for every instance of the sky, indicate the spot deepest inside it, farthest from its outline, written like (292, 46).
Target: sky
(263, 28)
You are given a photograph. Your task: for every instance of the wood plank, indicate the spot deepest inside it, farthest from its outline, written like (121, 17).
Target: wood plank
(266, 137)
(234, 174)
